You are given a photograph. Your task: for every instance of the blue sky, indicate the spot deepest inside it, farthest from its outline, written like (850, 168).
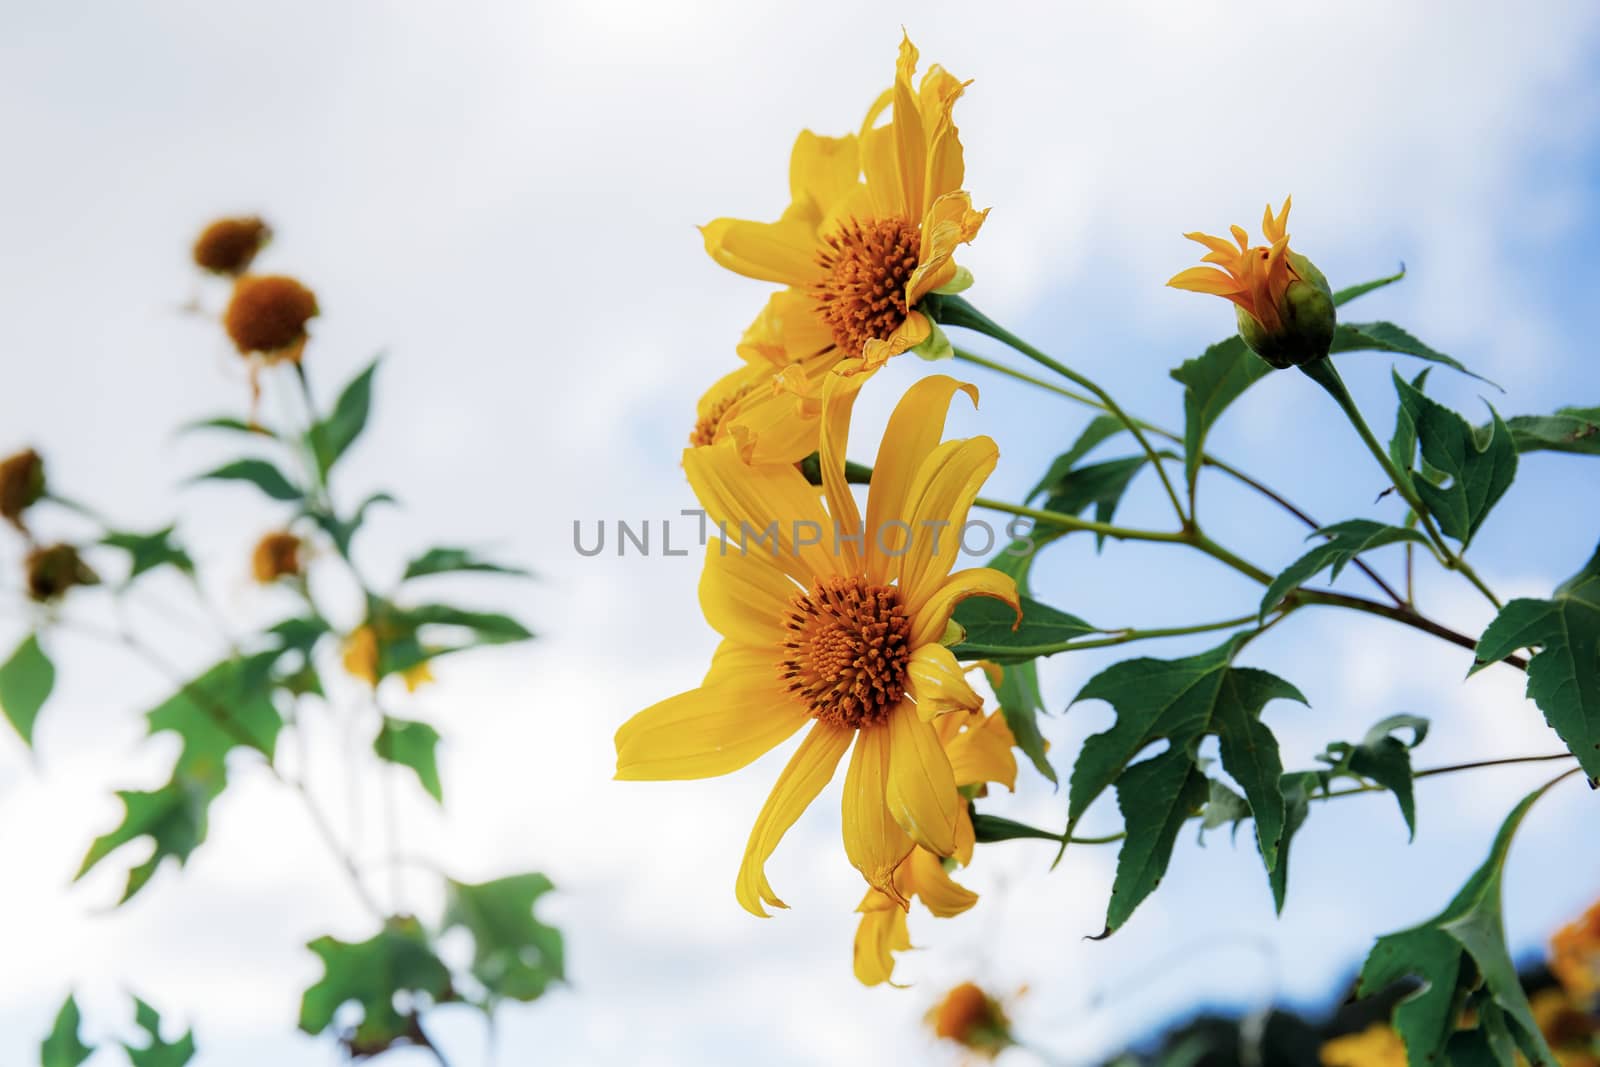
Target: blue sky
(503, 198)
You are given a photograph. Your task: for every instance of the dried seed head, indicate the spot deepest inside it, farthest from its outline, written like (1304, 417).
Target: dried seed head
(229, 246)
(268, 315)
(21, 485)
(54, 569)
(277, 555)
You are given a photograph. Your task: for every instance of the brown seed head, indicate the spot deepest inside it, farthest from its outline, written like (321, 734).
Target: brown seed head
(21, 485)
(268, 314)
(846, 650)
(970, 1017)
(229, 246)
(277, 555)
(54, 569)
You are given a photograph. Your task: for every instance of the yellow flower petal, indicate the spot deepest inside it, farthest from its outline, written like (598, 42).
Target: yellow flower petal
(770, 510)
(928, 622)
(983, 753)
(966, 839)
(823, 170)
(810, 769)
(914, 330)
(914, 430)
(936, 508)
(921, 791)
(744, 596)
(707, 732)
(935, 888)
(1206, 280)
(911, 146)
(938, 684)
(881, 933)
(784, 252)
(873, 840)
(951, 222)
(881, 166)
(838, 400)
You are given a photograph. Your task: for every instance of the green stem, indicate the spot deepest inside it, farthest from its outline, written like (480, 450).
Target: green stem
(1206, 459)
(1325, 374)
(1454, 768)
(1403, 613)
(1061, 521)
(1130, 634)
(955, 311)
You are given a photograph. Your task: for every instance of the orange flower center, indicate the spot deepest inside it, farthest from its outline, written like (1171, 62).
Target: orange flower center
(963, 1010)
(846, 651)
(862, 297)
(709, 425)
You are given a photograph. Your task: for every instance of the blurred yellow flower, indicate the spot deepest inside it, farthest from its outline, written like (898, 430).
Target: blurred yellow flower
(856, 256)
(972, 1019)
(1376, 1046)
(267, 315)
(837, 623)
(1575, 955)
(361, 660)
(979, 749)
(1570, 1030)
(1285, 308)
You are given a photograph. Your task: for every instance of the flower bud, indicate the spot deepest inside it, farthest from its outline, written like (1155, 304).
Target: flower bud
(21, 485)
(229, 246)
(268, 315)
(277, 555)
(54, 569)
(1282, 301)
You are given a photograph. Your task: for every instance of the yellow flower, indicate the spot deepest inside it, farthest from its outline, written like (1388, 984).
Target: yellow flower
(1284, 306)
(1575, 955)
(838, 624)
(979, 750)
(1376, 1046)
(361, 661)
(856, 256)
(972, 1019)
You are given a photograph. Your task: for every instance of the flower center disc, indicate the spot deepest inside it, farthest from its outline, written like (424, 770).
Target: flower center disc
(846, 650)
(863, 295)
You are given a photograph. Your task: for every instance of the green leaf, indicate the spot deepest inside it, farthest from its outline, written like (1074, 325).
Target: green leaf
(1098, 485)
(1384, 759)
(1456, 950)
(230, 706)
(374, 974)
(1298, 788)
(1156, 797)
(1021, 701)
(514, 955)
(487, 627)
(1344, 296)
(148, 551)
(414, 745)
(1575, 430)
(1223, 807)
(333, 436)
(158, 1052)
(1387, 337)
(259, 473)
(63, 1047)
(1346, 541)
(1212, 381)
(343, 531)
(1480, 468)
(446, 560)
(1564, 675)
(1100, 428)
(25, 683)
(229, 424)
(1181, 702)
(991, 631)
